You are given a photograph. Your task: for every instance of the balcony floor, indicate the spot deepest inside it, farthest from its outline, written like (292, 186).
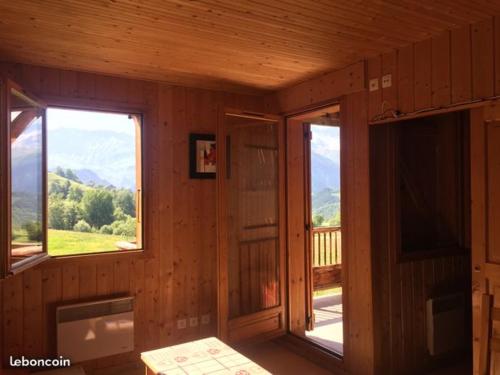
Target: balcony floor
(328, 330)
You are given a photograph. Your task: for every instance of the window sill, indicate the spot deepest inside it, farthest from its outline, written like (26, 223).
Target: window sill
(109, 256)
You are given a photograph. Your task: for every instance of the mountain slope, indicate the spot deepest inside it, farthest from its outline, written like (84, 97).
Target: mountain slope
(105, 156)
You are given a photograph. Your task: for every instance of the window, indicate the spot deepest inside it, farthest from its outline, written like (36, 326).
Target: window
(94, 182)
(26, 164)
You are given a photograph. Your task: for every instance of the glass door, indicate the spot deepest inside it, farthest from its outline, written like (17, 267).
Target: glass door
(250, 231)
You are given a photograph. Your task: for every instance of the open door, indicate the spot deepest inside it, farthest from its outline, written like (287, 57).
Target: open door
(485, 190)
(250, 179)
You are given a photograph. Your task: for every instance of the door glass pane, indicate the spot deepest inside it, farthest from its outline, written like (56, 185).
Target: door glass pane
(252, 213)
(26, 135)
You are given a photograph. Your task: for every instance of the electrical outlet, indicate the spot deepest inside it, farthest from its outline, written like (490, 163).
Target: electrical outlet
(205, 319)
(181, 324)
(193, 322)
(387, 81)
(374, 84)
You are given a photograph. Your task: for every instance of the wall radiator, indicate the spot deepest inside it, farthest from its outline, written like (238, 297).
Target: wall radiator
(97, 329)
(445, 324)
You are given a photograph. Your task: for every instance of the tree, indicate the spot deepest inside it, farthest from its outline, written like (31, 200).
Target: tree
(60, 172)
(125, 227)
(75, 193)
(125, 200)
(97, 206)
(56, 213)
(59, 188)
(70, 175)
(71, 214)
(318, 220)
(34, 230)
(82, 226)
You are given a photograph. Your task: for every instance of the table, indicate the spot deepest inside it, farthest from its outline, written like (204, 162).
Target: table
(205, 356)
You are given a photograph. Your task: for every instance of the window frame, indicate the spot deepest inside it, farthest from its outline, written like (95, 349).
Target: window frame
(139, 113)
(7, 268)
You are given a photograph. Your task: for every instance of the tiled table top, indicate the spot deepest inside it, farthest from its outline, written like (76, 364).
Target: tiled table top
(206, 356)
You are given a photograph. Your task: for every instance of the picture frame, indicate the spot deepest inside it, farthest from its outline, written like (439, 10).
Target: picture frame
(202, 156)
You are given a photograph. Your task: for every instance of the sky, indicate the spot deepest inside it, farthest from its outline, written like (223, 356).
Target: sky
(326, 141)
(86, 120)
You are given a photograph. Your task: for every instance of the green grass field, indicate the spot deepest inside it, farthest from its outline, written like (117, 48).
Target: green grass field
(65, 242)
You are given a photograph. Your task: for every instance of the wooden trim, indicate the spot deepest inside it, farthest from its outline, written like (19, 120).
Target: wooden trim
(4, 186)
(485, 334)
(140, 115)
(437, 111)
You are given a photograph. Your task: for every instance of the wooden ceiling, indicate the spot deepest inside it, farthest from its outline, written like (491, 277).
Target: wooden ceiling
(237, 45)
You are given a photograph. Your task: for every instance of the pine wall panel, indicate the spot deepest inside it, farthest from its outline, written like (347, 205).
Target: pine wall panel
(455, 67)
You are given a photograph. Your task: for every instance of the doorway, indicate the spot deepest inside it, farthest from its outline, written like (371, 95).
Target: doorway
(325, 242)
(314, 228)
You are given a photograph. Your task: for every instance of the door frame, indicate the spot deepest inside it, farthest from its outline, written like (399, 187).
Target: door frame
(298, 232)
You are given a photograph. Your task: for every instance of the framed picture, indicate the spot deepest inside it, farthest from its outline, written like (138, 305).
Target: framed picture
(202, 156)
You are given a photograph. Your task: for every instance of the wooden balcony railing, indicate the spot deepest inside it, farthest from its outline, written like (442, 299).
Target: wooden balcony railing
(326, 246)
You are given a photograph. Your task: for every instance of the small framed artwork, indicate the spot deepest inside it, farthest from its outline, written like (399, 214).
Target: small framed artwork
(202, 156)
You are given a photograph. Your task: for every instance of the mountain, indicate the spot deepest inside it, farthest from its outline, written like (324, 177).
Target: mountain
(104, 157)
(326, 203)
(325, 168)
(325, 173)
(88, 177)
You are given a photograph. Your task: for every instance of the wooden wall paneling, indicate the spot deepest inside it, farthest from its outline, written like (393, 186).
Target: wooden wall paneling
(356, 248)
(326, 87)
(152, 308)
(69, 83)
(86, 85)
(50, 82)
(52, 295)
(423, 74)
(165, 213)
(483, 81)
(379, 157)
(405, 80)
(70, 282)
(374, 71)
(87, 281)
(31, 77)
(461, 65)
(137, 290)
(13, 331)
(390, 66)
(2, 335)
(441, 80)
(496, 38)
(105, 279)
(121, 276)
(196, 205)
(207, 206)
(33, 325)
(182, 204)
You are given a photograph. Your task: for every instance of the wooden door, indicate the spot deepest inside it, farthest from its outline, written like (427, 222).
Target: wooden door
(485, 192)
(251, 226)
